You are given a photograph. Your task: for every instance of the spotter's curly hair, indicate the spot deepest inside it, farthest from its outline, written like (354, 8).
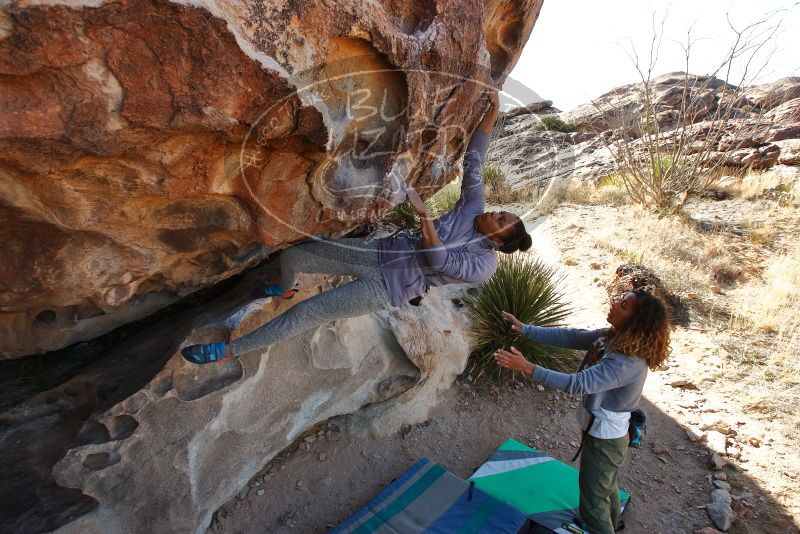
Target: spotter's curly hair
(647, 333)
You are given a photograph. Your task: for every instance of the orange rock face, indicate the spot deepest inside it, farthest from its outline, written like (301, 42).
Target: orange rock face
(149, 148)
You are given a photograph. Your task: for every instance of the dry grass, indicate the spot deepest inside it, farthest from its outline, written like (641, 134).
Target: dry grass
(755, 184)
(607, 191)
(735, 262)
(747, 287)
(499, 192)
(747, 291)
(676, 251)
(771, 306)
(551, 197)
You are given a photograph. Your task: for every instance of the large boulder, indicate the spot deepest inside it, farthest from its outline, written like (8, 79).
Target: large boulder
(144, 442)
(789, 152)
(620, 107)
(151, 148)
(771, 95)
(785, 113)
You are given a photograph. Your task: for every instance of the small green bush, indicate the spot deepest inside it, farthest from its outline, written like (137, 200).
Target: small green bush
(530, 291)
(554, 124)
(404, 216)
(665, 168)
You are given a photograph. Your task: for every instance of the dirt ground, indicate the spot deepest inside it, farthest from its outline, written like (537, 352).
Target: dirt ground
(334, 470)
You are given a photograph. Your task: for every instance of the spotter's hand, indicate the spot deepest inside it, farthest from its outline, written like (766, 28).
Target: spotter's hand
(514, 360)
(516, 324)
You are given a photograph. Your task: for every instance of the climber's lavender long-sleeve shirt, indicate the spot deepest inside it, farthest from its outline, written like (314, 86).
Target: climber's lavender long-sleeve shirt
(614, 383)
(465, 254)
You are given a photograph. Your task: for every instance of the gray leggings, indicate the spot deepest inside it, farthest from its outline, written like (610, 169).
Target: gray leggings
(345, 257)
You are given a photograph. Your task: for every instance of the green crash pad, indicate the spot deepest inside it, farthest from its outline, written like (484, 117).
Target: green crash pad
(540, 486)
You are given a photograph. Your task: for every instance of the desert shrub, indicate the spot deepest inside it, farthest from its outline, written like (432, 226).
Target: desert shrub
(611, 180)
(608, 190)
(661, 183)
(492, 176)
(532, 292)
(498, 191)
(753, 184)
(553, 123)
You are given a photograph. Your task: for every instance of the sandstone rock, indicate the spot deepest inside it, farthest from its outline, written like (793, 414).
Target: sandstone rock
(660, 449)
(772, 95)
(734, 101)
(206, 433)
(630, 276)
(533, 107)
(754, 441)
(744, 134)
(723, 427)
(789, 152)
(668, 117)
(741, 508)
(786, 132)
(703, 108)
(758, 158)
(720, 511)
(715, 462)
(683, 384)
(668, 94)
(695, 434)
(786, 113)
(154, 148)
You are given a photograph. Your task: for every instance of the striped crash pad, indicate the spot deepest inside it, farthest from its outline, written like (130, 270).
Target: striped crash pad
(540, 486)
(428, 498)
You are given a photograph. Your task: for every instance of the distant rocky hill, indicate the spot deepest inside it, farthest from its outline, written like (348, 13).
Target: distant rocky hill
(760, 128)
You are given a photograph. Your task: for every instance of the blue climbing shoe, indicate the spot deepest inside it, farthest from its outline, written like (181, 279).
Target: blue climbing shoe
(273, 290)
(207, 353)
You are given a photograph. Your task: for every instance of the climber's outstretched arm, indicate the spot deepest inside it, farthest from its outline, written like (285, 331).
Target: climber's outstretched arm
(472, 196)
(430, 237)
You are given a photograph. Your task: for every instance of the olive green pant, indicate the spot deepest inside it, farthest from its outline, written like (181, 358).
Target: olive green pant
(599, 499)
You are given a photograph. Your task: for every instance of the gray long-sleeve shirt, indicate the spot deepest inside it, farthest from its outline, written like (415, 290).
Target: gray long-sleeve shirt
(614, 383)
(465, 254)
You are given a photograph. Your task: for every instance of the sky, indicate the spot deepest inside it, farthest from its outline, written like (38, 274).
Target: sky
(576, 50)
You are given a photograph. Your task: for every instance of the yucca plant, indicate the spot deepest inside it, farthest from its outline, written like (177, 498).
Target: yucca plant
(529, 290)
